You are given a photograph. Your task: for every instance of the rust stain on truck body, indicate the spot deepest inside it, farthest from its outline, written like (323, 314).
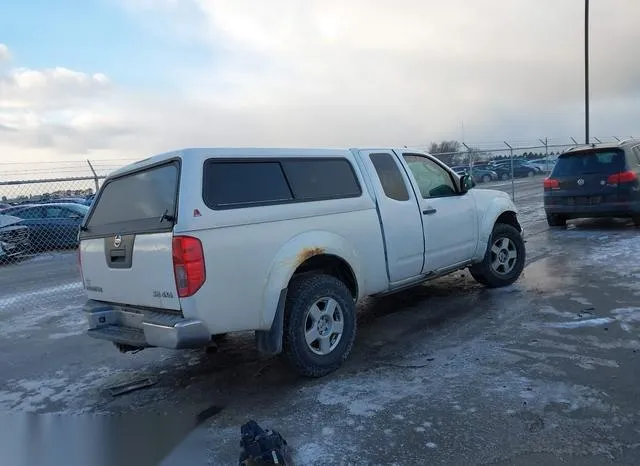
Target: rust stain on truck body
(308, 253)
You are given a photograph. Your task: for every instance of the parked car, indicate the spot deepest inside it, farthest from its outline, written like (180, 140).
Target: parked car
(543, 165)
(65, 200)
(14, 238)
(521, 167)
(503, 173)
(590, 181)
(480, 175)
(184, 246)
(51, 226)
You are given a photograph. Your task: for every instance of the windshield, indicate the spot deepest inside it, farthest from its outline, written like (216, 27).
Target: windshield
(605, 162)
(136, 202)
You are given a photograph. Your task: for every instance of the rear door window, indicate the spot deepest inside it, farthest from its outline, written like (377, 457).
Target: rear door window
(136, 202)
(390, 177)
(606, 162)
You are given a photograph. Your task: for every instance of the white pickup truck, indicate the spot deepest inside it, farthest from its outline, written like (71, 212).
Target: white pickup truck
(191, 244)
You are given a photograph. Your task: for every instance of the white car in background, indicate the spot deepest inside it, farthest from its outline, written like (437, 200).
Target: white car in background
(545, 165)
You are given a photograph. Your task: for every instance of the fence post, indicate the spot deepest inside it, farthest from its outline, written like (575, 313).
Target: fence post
(513, 184)
(546, 153)
(470, 161)
(95, 176)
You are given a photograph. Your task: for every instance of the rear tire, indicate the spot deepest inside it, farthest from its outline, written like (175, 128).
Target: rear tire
(504, 260)
(636, 220)
(555, 220)
(319, 325)
(486, 179)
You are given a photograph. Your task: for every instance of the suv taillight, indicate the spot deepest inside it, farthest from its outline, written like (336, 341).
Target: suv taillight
(550, 183)
(624, 177)
(188, 265)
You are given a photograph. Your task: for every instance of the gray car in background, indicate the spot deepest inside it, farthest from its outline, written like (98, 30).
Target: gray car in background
(14, 238)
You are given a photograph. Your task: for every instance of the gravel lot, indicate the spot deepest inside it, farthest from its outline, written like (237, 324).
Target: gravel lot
(447, 373)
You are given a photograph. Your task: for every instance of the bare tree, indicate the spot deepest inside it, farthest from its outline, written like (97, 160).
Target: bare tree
(445, 150)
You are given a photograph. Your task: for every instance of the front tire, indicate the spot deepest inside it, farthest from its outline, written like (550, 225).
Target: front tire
(531, 174)
(486, 179)
(636, 220)
(319, 325)
(505, 177)
(504, 260)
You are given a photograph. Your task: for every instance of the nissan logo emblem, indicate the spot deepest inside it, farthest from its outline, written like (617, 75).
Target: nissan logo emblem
(580, 182)
(117, 241)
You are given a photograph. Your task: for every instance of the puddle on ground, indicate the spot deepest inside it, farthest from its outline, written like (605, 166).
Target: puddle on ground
(550, 275)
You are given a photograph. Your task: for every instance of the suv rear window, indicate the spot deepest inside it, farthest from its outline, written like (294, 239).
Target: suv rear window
(136, 202)
(230, 184)
(604, 161)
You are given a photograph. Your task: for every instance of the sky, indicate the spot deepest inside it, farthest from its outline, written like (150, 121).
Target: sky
(117, 80)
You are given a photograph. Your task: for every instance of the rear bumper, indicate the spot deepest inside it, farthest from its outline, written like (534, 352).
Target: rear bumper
(609, 209)
(144, 328)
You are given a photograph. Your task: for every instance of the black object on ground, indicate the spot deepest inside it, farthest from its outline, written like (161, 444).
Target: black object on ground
(262, 447)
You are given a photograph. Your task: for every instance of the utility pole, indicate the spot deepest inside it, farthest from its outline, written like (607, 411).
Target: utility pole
(586, 70)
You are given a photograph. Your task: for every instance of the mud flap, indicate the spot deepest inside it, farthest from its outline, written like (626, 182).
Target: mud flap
(269, 342)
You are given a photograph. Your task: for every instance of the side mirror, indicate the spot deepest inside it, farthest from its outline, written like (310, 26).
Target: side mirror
(466, 183)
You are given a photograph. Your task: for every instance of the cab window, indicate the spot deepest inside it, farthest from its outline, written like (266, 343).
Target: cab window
(432, 179)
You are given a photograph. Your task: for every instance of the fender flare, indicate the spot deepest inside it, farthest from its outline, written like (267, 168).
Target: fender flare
(291, 255)
(498, 207)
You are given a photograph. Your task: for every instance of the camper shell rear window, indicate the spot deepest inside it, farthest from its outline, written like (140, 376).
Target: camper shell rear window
(141, 201)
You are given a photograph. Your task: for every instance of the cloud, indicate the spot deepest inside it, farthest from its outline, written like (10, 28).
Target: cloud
(5, 55)
(335, 73)
(420, 66)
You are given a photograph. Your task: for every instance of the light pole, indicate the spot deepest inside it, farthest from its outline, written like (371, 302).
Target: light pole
(586, 70)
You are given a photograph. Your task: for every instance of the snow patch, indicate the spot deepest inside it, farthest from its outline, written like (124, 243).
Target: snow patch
(69, 318)
(34, 395)
(327, 431)
(582, 323)
(581, 300)
(627, 317)
(22, 296)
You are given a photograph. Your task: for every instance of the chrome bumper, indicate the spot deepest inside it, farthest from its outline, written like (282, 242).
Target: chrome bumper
(143, 328)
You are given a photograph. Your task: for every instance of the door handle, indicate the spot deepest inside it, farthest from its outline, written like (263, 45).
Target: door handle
(429, 211)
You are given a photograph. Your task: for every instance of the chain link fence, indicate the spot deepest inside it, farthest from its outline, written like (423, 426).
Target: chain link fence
(39, 221)
(39, 276)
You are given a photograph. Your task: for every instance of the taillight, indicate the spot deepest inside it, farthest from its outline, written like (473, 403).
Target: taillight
(624, 177)
(550, 183)
(188, 265)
